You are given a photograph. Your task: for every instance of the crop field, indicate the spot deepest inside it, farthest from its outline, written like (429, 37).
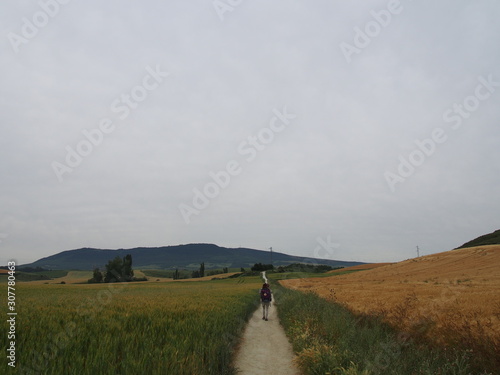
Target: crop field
(361, 267)
(131, 328)
(328, 339)
(72, 277)
(81, 277)
(450, 298)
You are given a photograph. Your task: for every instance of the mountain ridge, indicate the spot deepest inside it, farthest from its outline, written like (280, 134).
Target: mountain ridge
(187, 256)
(492, 238)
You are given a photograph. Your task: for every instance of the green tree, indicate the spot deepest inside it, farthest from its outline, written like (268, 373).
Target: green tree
(195, 274)
(97, 276)
(113, 270)
(262, 267)
(127, 271)
(202, 269)
(119, 269)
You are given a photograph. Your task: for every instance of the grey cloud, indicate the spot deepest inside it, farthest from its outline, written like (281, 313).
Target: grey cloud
(322, 176)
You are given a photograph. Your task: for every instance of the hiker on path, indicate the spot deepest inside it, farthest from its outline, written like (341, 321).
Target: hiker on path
(266, 298)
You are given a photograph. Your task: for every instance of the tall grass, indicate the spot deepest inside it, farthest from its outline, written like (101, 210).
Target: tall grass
(152, 328)
(449, 327)
(328, 339)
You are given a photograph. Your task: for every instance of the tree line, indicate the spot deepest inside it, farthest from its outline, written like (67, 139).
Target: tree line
(116, 270)
(120, 270)
(200, 272)
(294, 267)
(259, 267)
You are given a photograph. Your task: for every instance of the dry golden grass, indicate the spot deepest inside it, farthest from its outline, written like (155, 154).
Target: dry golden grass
(447, 297)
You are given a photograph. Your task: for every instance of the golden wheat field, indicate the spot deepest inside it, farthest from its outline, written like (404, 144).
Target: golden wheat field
(454, 295)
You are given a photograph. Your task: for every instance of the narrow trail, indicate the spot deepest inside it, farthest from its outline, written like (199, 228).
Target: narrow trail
(265, 347)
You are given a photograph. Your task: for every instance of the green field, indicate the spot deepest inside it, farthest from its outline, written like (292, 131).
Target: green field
(130, 328)
(32, 276)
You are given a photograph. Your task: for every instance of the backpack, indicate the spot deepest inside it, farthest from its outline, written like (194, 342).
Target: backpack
(265, 295)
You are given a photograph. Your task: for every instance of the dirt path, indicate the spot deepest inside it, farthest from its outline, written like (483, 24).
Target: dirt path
(265, 349)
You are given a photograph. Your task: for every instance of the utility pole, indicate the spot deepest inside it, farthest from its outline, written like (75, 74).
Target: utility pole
(418, 252)
(271, 248)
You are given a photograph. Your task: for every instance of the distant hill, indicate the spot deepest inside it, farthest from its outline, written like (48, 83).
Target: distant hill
(487, 239)
(171, 257)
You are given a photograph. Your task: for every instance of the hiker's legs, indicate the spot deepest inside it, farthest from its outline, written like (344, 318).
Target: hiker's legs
(265, 309)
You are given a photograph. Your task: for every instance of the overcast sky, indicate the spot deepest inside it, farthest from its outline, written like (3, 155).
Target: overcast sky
(351, 130)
